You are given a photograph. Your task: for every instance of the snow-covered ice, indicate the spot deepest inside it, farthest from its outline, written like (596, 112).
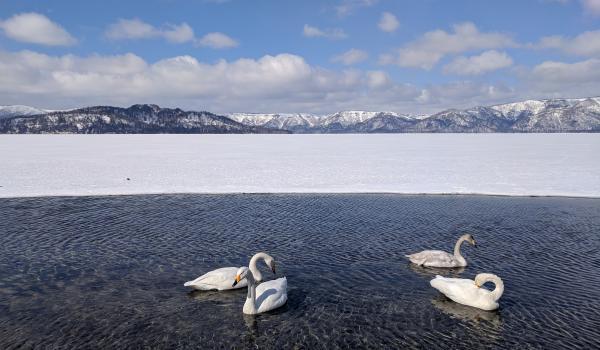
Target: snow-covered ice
(508, 164)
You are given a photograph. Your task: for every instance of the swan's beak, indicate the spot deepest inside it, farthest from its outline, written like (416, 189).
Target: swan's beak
(237, 279)
(273, 268)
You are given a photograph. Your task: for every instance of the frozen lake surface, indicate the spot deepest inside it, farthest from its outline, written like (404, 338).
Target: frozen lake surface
(507, 164)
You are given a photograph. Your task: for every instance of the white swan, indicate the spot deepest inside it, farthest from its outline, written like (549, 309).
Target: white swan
(265, 296)
(438, 258)
(219, 279)
(468, 292)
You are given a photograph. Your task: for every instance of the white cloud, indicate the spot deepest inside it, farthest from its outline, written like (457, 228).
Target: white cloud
(388, 22)
(36, 29)
(378, 79)
(281, 83)
(217, 41)
(131, 29)
(584, 44)
(179, 33)
(138, 29)
(555, 78)
(347, 7)
(431, 47)
(314, 32)
(591, 7)
(351, 56)
(487, 61)
(182, 33)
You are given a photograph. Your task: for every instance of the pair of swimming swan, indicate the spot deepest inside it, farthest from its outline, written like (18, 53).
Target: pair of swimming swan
(262, 297)
(461, 290)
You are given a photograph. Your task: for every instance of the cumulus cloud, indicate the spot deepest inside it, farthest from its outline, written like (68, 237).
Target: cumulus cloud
(591, 7)
(280, 83)
(178, 33)
(276, 81)
(486, 62)
(584, 44)
(132, 29)
(562, 79)
(431, 47)
(36, 28)
(217, 41)
(347, 7)
(138, 29)
(378, 79)
(388, 22)
(332, 33)
(351, 57)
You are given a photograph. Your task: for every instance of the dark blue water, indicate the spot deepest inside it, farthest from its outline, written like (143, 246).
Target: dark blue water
(108, 272)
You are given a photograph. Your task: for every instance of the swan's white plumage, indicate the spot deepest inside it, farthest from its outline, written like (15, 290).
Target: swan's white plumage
(439, 258)
(269, 296)
(219, 279)
(434, 258)
(265, 296)
(465, 291)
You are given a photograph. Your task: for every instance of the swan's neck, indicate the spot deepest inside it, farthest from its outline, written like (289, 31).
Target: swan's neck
(253, 268)
(497, 292)
(250, 304)
(457, 254)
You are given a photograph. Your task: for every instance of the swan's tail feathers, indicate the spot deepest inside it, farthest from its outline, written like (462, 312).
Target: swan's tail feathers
(435, 283)
(284, 283)
(416, 259)
(188, 283)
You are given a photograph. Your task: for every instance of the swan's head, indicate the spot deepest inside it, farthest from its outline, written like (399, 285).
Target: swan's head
(241, 273)
(469, 238)
(270, 263)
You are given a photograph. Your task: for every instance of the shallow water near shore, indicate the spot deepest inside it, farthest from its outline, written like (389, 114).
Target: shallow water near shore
(108, 272)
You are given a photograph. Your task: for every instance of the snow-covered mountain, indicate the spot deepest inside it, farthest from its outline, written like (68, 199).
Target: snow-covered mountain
(309, 123)
(282, 121)
(552, 115)
(140, 119)
(19, 110)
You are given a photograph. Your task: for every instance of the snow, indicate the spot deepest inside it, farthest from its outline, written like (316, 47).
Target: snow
(18, 110)
(286, 120)
(506, 164)
(536, 106)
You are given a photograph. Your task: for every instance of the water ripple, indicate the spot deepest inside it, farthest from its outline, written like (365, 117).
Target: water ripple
(107, 272)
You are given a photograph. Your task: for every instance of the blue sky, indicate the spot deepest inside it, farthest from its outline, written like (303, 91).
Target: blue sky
(297, 56)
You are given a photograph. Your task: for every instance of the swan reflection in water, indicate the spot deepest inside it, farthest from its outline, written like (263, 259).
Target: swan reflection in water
(433, 271)
(214, 296)
(467, 313)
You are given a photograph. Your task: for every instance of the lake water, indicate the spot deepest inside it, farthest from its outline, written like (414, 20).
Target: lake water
(108, 272)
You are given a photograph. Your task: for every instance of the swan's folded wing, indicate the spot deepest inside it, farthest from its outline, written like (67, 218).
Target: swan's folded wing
(453, 288)
(216, 277)
(271, 294)
(437, 257)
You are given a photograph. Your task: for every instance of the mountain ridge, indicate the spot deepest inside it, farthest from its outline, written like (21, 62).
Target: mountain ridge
(547, 115)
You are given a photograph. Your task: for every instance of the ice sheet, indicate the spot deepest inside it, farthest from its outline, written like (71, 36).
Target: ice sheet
(506, 164)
